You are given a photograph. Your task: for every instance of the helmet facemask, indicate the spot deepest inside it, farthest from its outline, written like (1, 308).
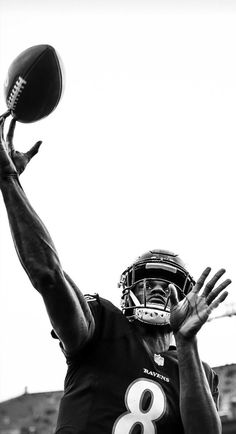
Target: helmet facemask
(159, 266)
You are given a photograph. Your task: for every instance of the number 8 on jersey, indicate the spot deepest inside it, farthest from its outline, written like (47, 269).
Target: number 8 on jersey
(135, 414)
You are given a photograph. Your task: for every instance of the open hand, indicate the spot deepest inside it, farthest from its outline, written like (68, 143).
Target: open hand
(188, 315)
(13, 162)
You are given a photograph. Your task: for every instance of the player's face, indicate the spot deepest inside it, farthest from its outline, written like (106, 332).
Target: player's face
(157, 291)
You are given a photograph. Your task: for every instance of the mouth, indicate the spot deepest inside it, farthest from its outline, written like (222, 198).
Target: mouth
(158, 305)
(157, 299)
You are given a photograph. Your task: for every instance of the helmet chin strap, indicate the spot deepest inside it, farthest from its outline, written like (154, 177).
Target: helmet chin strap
(150, 314)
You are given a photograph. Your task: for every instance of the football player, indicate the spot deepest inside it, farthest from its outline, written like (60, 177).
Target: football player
(126, 374)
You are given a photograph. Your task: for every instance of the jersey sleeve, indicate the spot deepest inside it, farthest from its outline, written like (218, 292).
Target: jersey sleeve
(105, 316)
(94, 304)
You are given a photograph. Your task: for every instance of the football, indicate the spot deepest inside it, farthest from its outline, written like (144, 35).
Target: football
(34, 83)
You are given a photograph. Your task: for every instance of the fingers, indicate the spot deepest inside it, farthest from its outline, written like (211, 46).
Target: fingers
(10, 135)
(173, 294)
(210, 285)
(34, 150)
(5, 115)
(212, 296)
(2, 123)
(201, 280)
(217, 302)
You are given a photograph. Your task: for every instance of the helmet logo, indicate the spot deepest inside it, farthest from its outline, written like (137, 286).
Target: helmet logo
(159, 360)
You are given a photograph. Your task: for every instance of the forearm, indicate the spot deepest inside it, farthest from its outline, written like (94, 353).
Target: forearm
(197, 407)
(32, 240)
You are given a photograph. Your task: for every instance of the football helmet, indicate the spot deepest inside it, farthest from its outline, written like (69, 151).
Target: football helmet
(160, 265)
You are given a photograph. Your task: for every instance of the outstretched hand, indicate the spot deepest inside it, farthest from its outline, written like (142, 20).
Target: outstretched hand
(13, 162)
(188, 315)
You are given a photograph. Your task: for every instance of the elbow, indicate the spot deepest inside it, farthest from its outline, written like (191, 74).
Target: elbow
(45, 278)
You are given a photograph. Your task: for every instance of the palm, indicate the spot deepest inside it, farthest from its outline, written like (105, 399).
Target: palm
(20, 160)
(13, 162)
(187, 316)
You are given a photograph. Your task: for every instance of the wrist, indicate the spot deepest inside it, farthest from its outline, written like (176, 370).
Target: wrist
(8, 181)
(182, 340)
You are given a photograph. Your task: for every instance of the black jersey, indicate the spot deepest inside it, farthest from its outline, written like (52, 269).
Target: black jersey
(113, 386)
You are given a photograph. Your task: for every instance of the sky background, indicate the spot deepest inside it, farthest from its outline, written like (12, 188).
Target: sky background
(139, 154)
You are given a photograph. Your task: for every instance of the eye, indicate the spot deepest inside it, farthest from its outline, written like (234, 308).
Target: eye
(166, 289)
(138, 286)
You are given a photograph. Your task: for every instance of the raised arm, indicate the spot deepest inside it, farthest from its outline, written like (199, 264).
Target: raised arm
(68, 311)
(197, 407)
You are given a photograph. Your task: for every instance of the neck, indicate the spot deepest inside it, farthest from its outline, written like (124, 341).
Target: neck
(155, 338)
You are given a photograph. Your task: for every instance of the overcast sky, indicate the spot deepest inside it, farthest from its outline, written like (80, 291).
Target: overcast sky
(139, 154)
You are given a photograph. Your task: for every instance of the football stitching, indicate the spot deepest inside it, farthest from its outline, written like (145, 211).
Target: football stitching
(15, 93)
